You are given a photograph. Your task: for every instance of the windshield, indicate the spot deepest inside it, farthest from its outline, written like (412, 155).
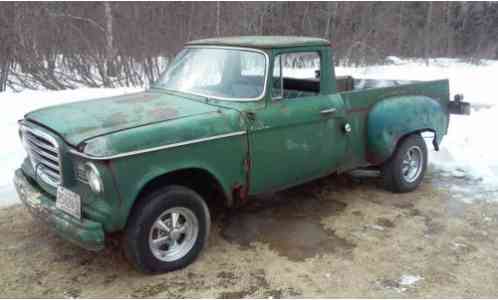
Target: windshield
(223, 73)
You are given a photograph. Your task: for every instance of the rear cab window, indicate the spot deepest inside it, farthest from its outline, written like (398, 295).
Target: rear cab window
(296, 75)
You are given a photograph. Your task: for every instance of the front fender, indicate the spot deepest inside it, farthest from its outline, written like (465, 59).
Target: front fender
(391, 119)
(221, 158)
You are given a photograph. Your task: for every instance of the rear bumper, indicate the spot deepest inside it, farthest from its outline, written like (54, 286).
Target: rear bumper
(458, 107)
(85, 233)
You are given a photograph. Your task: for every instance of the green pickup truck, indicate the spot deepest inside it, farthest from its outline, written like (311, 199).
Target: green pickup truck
(230, 118)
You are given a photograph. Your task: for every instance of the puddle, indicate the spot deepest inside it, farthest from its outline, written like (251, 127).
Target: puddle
(289, 222)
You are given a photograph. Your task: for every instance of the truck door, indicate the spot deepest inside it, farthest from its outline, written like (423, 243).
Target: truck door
(299, 135)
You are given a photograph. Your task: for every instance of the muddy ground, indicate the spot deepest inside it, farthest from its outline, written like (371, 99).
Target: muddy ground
(341, 236)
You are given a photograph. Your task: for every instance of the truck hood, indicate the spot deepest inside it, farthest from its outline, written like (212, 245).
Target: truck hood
(79, 121)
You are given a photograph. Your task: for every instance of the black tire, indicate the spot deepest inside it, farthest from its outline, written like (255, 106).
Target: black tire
(136, 238)
(394, 178)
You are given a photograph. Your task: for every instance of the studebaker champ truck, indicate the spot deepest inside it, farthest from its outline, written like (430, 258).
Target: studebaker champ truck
(230, 118)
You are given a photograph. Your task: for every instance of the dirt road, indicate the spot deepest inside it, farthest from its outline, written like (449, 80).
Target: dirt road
(341, 236)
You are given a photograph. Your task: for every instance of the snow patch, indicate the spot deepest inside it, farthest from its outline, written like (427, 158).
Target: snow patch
(476, 82)
(409, 279)
(375, 227)
(394, 60)
(469, 149)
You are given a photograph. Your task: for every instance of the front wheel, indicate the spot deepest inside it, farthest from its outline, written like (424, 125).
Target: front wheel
(167, 230)
(404, 171)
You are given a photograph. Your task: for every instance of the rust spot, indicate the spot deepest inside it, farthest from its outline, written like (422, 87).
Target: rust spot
(81, 130)
(373, 158)
(115, 119)
(240, 194)
(135, 98)
(164, 113)
(359, 110)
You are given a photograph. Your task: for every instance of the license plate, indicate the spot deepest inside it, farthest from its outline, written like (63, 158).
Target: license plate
(68, 201)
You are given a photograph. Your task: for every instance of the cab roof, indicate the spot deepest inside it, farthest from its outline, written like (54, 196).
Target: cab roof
(262, 41)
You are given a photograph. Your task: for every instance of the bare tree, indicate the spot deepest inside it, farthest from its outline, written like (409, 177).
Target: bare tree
(218, 10)
(60, 45)
(450, 30)
(400, 28)
(110, 70)
(331, 16)
(428, 35)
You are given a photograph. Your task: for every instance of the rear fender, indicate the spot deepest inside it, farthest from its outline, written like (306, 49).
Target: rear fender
(394, 118)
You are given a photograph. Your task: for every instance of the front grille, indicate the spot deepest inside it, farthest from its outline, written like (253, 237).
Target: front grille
(43, 151)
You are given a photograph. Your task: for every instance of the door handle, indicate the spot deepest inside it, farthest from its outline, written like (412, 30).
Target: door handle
(328, 111)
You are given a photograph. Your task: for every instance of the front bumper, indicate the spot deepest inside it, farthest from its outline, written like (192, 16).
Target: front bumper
(85, 233)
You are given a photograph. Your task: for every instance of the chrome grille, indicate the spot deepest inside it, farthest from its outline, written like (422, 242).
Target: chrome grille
(43, 151)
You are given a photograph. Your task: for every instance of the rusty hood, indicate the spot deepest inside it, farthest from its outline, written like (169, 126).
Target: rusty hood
(79, 121)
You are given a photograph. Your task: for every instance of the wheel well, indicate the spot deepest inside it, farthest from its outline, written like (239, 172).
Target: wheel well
(404, 136)
(420, 131)
(199, 180)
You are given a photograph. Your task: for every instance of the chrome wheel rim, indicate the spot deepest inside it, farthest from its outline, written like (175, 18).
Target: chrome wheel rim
(173, 234)
(412, 163)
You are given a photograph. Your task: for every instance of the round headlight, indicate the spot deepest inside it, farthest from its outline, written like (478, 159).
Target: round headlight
(93, 177)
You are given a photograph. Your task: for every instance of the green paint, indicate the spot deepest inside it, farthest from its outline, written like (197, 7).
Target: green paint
(385, 127)
(82, 120)
(286, 141)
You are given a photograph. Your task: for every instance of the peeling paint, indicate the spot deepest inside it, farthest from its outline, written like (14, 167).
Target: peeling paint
(115, 119)
(135, 98)
(386, 127)
(165, 113)
(293, 146)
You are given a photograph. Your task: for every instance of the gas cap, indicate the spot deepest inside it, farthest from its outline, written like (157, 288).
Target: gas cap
(347, 128)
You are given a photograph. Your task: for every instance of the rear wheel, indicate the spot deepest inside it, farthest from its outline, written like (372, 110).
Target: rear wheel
(167, 230)
(404, 171)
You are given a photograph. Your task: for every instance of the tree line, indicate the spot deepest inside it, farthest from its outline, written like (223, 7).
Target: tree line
(60, 45)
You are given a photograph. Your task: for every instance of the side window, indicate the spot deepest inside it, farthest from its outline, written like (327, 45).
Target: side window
(296, 75)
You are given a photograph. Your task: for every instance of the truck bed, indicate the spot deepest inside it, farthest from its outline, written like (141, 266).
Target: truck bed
(360, 96)
(348, 83)
(343, 84)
